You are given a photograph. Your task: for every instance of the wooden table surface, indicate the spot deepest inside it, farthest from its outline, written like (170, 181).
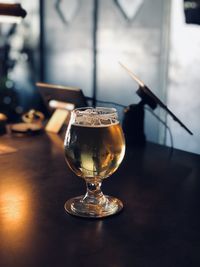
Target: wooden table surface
(159, 226)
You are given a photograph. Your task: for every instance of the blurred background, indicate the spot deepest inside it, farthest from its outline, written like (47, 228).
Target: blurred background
(80, 42)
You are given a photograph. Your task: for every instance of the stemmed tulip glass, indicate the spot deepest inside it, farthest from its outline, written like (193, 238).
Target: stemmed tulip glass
(94, 148)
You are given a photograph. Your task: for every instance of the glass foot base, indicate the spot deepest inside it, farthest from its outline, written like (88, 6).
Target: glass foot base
(79, 207)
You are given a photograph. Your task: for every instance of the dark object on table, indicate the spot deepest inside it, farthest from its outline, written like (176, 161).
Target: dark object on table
(61, 93)
(133, 127)
(133, 122)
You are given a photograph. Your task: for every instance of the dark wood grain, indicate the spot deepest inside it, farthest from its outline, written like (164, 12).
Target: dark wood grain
(159, 226)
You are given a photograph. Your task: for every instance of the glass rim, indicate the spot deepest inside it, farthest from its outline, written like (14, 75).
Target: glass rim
(109, 110)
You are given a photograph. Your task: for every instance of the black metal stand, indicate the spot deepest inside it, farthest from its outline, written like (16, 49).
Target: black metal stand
(133, 125)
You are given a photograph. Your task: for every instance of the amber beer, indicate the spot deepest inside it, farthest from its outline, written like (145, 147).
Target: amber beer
(94, 152)
(94, 148)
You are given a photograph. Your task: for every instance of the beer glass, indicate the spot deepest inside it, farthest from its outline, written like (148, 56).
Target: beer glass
(94, 148)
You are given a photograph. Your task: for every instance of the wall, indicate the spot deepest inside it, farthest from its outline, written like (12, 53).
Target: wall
(184, 79)
(134, 39)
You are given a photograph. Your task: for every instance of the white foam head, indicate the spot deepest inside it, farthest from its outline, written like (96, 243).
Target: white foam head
(94, 117)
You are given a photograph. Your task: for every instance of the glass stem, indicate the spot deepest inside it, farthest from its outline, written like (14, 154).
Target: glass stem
(94, 194)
